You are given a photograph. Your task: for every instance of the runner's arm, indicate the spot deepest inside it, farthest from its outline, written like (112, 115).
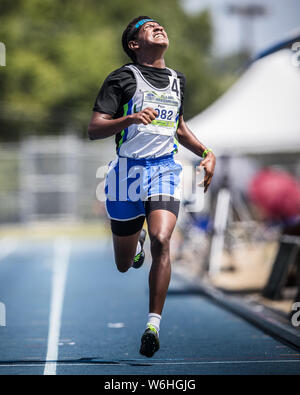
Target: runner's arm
(103, 125)
(189, 140)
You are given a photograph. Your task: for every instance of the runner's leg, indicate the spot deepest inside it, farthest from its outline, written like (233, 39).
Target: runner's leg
(161, 224)
(125, 249)
(125, 240)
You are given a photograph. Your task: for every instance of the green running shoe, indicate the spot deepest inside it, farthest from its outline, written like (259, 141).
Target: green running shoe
(149, 342)
(140, 257)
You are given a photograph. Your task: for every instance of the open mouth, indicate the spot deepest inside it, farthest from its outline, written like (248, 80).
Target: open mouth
(159, 35)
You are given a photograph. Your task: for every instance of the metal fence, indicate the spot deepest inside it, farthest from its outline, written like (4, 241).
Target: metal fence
(51, 178)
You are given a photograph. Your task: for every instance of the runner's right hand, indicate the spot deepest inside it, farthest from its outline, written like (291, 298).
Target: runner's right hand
(145, 116)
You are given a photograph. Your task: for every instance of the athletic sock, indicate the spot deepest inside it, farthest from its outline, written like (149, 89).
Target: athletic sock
(154, 320)
(138, 248)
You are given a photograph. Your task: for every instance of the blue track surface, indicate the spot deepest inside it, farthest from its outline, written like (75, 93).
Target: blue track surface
(103, 317)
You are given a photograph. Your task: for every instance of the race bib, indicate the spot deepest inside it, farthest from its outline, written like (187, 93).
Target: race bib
(167, 107)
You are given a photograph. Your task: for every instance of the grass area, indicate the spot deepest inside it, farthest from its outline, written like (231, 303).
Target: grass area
(45, 230)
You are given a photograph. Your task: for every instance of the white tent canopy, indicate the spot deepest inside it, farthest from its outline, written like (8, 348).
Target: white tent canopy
(260, 113)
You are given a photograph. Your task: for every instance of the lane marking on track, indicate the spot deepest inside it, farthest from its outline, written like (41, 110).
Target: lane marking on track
(32, 364)
(62, 249)
(7, 246)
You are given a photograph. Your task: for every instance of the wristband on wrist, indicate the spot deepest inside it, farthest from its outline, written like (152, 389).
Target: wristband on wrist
(206, 152)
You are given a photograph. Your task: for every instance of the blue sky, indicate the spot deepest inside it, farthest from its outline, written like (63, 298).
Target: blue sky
(283, 17)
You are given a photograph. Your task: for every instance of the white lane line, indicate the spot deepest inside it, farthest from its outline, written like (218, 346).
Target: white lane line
(7, 246)
(62, 249)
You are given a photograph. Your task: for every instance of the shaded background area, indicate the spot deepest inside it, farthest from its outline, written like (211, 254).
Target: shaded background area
(57, 57)
(58, 54)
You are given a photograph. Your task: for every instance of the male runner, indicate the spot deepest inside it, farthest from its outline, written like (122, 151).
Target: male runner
(141, 104)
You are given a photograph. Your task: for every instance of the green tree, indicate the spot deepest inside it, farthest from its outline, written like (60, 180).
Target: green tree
(59, 53)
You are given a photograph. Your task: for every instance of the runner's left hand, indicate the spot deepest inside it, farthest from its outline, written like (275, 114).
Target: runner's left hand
(208, 164)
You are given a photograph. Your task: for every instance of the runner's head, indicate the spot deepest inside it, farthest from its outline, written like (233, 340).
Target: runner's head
(143, 29)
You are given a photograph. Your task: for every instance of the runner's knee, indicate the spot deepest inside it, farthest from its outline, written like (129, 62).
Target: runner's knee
(122, 267)
(123, 264)
(160, 243)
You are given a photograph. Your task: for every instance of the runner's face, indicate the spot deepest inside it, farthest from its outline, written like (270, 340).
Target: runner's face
(152, 33)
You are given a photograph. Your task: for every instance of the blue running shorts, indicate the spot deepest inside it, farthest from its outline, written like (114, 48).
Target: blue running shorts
(130, 182)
